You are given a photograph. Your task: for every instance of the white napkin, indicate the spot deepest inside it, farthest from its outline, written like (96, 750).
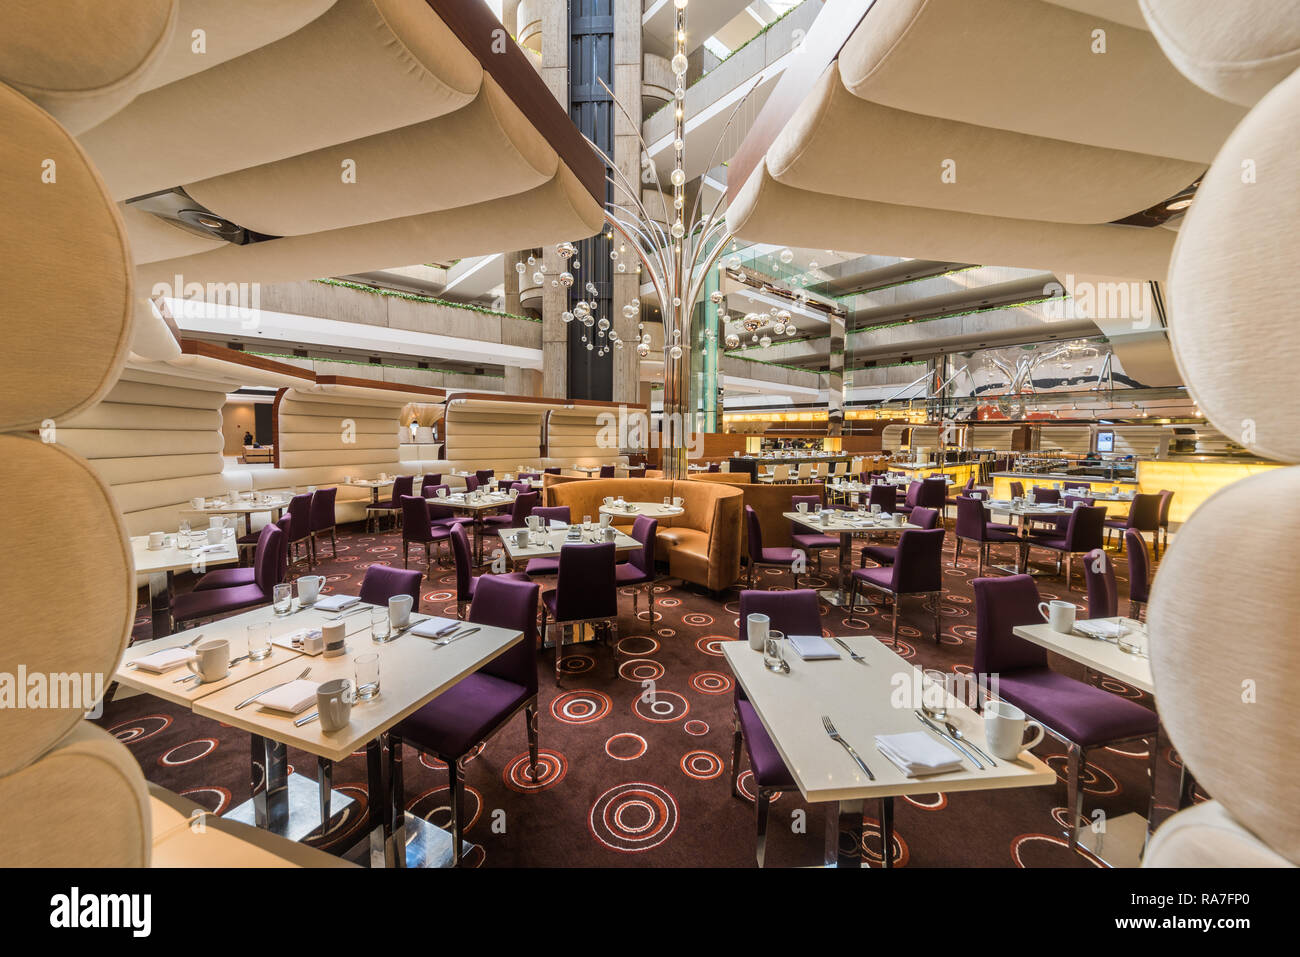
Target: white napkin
(812, 647)
(917, 754)
(335, 602)
(556, 523)
(434, 627)
(161, 662)
(1100, 628)
(292, 698)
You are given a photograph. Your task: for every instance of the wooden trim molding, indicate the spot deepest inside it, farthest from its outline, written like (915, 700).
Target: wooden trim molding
(501, 58)
(542, 400)
(371, 384)
(208, 350)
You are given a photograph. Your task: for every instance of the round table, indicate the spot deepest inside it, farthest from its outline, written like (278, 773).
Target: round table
(650, 509)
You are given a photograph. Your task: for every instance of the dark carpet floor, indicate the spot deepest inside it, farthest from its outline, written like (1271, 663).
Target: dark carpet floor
(624, 786)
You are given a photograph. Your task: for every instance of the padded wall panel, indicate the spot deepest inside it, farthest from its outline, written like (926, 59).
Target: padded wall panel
(121, 471)
(371, 425)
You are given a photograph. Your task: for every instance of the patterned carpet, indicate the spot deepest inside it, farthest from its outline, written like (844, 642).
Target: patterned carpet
(622, 785)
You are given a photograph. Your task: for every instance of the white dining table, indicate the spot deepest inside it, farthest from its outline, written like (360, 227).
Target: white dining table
(633, 509)
(862, 700)
(846, 525)
(161, 564)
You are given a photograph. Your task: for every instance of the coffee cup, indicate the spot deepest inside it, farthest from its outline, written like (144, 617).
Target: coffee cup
(215, 535)
(521, 538)
(157, 539)
(197, 503)
(534, 522)
(1004, 729)
(678, 501)
(309, 587)
(609, 532)
(608, 500)
(334, 701)
(399, 610)
(899, 518)
(605, 520)
(757, 627)
(801, 506)
(1058, 614)
(210, 660)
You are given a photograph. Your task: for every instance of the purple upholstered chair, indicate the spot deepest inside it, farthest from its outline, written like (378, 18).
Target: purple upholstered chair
(466, 580)
(1143, 515)
(1078, 488)
(417, 528)
(585, 592)
(917, 570)
(484, 476)
(778, 557)
(1166, 499)
(402, 485)
(811, 542)
(791, 613)
(607, 471)
(1139, 571)
(547, 566)
(1017, 489)
(530, 476)
(232, 577)
(523, 506)
(639, 569)
(430, 480)
(1099, 576)
(471, 483)
(911, 500)
(1082, 534)
(456, 722)
(268, 567)
(1046, 496)
(933, 494)
(443, 515)
(299, 530)
(322, 519)
(972, 527)
(966, 490)
(1081, 715)
(1059, 525)
(886, 496)
(383, 582)
(926, 518)
(552, 471)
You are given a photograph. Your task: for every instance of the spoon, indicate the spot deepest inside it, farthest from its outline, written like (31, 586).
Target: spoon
(956, 733)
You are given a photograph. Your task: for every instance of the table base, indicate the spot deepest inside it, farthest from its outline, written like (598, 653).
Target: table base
(844, 829)
(1121, 844)
(834, 596)
(160, 603)
(302, 809)
(427, 845)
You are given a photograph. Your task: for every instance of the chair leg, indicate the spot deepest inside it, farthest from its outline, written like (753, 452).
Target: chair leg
(956, 550)
(405, 556)
(737, 739)
(530, 718)
(760, 803)
(893, 634)
(456, 777)
(1073, 793)
(334, 545)
(980, 559)
(325, 782)
(935, 598)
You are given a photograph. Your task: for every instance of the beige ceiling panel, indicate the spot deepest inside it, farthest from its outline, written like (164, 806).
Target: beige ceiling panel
(363, 67)
(483, 151)
(838, 143)
(1029, 67)
(154, 238)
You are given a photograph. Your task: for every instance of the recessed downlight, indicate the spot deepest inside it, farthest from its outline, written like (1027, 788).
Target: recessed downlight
(210, 222)
(1179, 204)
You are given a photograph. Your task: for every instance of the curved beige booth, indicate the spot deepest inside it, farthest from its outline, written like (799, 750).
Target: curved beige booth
(1228, 707)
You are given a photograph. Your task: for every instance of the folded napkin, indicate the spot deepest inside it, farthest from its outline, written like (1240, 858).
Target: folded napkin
(917, 754)
(434, 627)
(1100, 628)
(160, 662)
(335, 602)
(292, 698)
(812, 647)
(556, 523)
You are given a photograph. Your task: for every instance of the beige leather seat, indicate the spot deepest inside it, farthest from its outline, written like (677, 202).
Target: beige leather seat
(1227, 705)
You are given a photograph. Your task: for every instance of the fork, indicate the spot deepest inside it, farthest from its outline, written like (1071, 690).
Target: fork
(835, 736)
(852, 654)
(454, 635)
(247, 701)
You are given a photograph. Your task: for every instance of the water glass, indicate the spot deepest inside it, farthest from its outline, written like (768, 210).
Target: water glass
(368, 675)
(586, 523)
(183, 534)
(774, 651)
(259, 640)
(380, 627)
(934, 694)
(282, 599)
(668, 500)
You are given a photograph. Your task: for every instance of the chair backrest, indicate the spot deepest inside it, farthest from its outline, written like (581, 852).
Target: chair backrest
(1144, 512)
(552, 471)
(585, 583)
(1046, 496)
(805, 470)
(970, 518)
(644, 530)
(933, 494)
(713, 467)
(1166, 499)
(1017, 489)
(886, 496)
(918, 564)
(402, 485)
(780, 473)
(927, 518)
(471, 483)
(525, 502)
(322, 508)
(509, 603)
(430, 478)
(383, 582)
(553, 513)
(814, 502)
(415, 519)
(1099, 575)
(607, 471)
(913, 497)
(484, 476)
(791, 612)
(754, 533)
(1076, 487)
(970, 482)
(1001, 604)
(300, 516)
(1139, 565)
(1085, 529)
(269, 562)
(464, 565)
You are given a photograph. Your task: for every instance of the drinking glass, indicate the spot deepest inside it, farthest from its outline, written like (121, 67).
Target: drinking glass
(282, 599)
(380, 628)
(183, 534)
(367, 675)
(668, 500)
(774, 651)
(586, 523)
(934, 694)
(259, 640)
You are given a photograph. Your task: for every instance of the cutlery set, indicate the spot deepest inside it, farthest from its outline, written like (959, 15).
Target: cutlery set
(248, 701)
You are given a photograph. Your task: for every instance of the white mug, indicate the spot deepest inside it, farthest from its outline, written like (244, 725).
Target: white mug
(521, 537)
(1058, 614)
(678, 501)
(1004, 729)
(610, 533)
(334, 704)
(801, 507)
(216, 534)
(309, 587)
(156, 539)
(757, 628)
(442, 492)
(210, 660)
(605, 520)
(196, 503)
(399, 610)
(608, 500)
(534, 522)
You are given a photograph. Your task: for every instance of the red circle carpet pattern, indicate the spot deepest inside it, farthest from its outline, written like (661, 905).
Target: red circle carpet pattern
(634, 766)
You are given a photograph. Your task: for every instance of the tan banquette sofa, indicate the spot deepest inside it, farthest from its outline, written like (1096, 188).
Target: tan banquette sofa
(702, 545)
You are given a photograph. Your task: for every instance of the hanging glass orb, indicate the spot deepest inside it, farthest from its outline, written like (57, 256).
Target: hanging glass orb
(675, 351)
(587, 321)
(679, 144)
(790, 330)
(783, 315)
(717, 296)
(584, 337)
(640, 326)
(565, 250)
(754, 337)
(580, 308)
(532, 260)
(680, 63)
(733, 261)
(643, 350)
(679, 94)
(678, 176)
(765, 341)
(576, 264)
(636, 301)
(591, 289)
(621, 267)
(520, 268)
(590, 347)
(646, 338)
(566, 316)
(566, 279)
(678, 230)
(732, 340)
(603, 324)
(629, 311)
(555, 284)
(779, 329)
(618, 343)
(613, 254)
(786, 256)
(538, 278)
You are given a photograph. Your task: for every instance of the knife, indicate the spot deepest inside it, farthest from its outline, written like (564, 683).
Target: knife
(948, 738)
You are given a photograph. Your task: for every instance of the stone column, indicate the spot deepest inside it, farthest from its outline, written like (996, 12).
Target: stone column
(555, 333)
(521, 381)
(627, 155)
(835, 377)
